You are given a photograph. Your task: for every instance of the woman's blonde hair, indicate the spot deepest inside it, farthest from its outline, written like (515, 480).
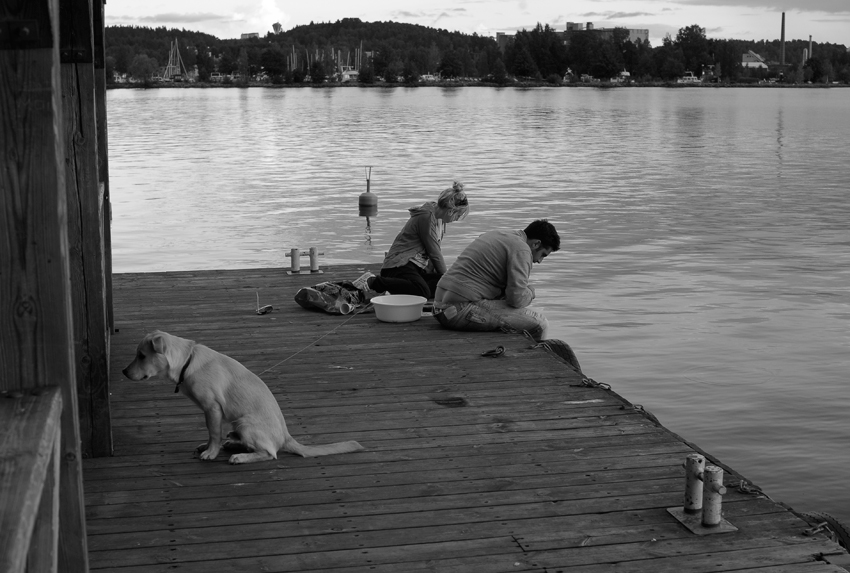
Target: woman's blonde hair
(454, 199)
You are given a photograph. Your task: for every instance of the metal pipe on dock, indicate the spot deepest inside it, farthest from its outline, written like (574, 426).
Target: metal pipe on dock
(314, 260)
(694, 468)
(295, 260)
(712, 496)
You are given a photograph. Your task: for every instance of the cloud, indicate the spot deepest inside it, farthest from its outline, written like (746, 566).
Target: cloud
(613, 15)
(176, 18)
(402, 14)
(830, 6)
(267, 14)
(832, 20)
(432, 15)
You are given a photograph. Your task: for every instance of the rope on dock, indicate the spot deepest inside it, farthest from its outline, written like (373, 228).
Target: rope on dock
(588, 382)
(591, 383)
(641, 410)
(749, 488)
(346, 321)
(825, 523)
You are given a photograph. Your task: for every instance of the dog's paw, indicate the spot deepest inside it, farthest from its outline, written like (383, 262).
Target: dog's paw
(209, 454)
(239, 459)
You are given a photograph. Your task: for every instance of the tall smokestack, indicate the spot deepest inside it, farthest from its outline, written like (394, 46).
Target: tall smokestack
(810, 45)
(782, 43)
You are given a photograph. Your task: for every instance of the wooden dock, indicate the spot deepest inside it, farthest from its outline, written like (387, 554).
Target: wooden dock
(472, 463)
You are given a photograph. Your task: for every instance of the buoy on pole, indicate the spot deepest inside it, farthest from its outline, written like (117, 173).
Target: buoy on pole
(368, 204)
(368, 200)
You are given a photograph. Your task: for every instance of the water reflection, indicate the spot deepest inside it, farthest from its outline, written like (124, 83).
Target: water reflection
(368, 236)
(779, 144)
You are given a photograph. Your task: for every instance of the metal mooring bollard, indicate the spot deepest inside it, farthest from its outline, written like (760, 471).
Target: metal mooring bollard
(295, 262)
(314, 260)
(694, 467)
(701, 512)
(713, 496)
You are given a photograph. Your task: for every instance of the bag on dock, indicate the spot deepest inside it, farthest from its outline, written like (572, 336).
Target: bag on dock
(333, 297)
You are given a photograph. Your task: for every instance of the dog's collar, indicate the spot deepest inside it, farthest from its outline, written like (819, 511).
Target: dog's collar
(183, 374)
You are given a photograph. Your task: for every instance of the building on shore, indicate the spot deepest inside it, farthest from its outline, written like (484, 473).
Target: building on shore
(502, 40)
(635, 34)
(753, 60)
(250, 35)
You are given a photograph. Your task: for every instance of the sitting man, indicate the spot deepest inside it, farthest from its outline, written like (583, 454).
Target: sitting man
(487, 286)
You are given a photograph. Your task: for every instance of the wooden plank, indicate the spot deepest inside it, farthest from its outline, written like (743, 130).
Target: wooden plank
(460, 479)
(575, 530)
(44, 545)
(85, 227)
(574, 448)
(697, 555)
(28, 435)
(504, 553)
(465, 482)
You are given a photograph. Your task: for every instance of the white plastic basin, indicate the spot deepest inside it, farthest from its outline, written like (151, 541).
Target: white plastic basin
(398, 307)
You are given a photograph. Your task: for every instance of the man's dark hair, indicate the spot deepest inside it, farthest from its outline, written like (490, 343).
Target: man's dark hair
(545, 232)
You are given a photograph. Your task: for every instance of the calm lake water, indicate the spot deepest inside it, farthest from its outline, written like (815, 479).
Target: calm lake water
(705, 263)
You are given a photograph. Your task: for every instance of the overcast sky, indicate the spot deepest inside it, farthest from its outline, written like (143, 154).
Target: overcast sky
(824, 20)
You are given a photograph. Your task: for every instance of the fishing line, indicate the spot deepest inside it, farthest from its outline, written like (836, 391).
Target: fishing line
(346, 321)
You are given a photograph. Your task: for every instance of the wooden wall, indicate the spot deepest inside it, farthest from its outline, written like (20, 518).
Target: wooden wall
(55, 304)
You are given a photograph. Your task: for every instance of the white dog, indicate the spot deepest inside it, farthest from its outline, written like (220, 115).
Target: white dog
(227, 392)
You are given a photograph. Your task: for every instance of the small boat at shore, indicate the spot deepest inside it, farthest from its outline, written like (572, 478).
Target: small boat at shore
(689, 78)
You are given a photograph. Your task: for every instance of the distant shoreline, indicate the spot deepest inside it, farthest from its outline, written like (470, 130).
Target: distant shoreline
(541, 84)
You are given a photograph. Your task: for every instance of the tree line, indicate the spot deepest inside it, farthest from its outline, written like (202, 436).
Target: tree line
(397, 52)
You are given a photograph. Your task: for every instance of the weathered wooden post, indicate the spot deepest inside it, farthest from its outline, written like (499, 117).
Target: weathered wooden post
(103, 157)
(85, 223)
(35, 291)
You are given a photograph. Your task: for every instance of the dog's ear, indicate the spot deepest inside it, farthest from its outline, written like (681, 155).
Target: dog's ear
(158, 343)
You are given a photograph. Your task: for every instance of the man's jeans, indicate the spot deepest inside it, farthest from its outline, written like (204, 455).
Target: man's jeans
(487, 315)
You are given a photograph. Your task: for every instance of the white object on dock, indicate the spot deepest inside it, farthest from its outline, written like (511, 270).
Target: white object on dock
(398, 307)
(295, 260)
(712, 499)
(704, 489)
(694, 467)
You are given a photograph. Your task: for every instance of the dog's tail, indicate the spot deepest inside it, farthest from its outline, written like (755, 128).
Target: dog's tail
(294, 447)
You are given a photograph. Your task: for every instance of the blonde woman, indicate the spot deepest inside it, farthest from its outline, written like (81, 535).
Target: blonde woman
(414, 263)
